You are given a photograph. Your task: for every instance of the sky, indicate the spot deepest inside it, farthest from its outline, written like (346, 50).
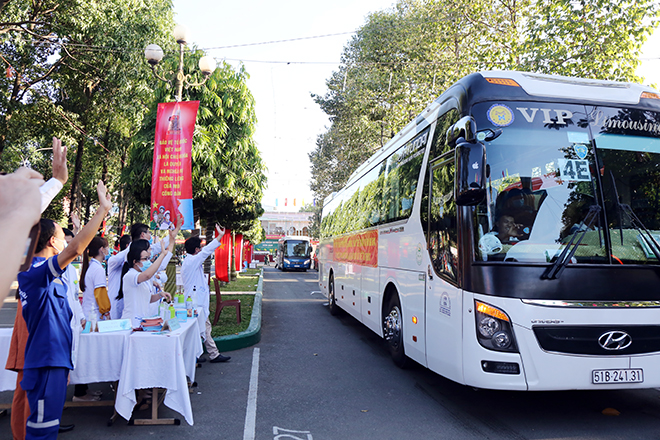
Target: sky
(284, 75)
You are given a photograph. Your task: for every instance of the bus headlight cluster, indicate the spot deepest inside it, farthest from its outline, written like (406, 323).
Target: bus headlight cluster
(494, 329)
(286, 261)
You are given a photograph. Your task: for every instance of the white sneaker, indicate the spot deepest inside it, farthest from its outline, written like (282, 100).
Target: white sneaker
(86, 398)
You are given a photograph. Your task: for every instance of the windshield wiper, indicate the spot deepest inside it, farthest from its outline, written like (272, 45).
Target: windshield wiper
(554, 271)
(635, 222)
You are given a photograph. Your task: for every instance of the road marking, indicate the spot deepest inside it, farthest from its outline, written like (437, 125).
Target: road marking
(281, 433)
(251, 412)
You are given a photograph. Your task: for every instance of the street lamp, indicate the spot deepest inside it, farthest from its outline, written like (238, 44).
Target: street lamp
(154, 54)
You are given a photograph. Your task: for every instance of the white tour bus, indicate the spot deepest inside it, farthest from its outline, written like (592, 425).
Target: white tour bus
(507, 238)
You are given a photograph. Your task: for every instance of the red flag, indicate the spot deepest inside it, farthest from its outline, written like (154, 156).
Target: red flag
(248, 251)
(238, 251)
(123, 229)
(171, 181)
(222, 257)
(103, 229)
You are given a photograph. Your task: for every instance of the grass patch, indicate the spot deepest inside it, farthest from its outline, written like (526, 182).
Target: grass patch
(227, 322)
(244, 282)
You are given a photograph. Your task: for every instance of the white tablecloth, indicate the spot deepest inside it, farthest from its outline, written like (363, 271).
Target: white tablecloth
(100, 357)
(7, 378)
(160, 361)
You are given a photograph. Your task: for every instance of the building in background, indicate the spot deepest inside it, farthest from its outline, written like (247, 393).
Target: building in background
(285, 223)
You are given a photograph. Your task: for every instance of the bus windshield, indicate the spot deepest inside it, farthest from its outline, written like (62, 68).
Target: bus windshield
(544, 178)
(297, 248)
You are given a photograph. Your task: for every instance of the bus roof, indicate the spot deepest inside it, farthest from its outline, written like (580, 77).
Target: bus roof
(502, 85)
(295, 237)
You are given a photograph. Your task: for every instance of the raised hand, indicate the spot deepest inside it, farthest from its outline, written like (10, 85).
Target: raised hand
(20, 196)
(60, 170)
(105, 201)
(75, 220)
(220, 231)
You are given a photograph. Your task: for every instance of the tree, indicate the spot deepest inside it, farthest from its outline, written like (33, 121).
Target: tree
(404, 57)
(587, 38)
(77, 73)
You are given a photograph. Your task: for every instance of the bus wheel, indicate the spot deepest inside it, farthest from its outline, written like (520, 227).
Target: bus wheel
(332, 305)
(393, 332)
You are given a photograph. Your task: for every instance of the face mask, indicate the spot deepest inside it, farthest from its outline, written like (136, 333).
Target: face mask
(65, 245)
(146, 265)
(151, 240)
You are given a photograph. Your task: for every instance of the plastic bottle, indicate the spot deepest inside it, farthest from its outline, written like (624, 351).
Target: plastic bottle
(165, 311)
(172, 311)
(189, 306)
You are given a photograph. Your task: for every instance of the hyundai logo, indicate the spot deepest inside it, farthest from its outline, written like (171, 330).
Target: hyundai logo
(615, 340)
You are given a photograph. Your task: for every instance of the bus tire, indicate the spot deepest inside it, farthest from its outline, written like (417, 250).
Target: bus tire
(332, 304)
(393, 331)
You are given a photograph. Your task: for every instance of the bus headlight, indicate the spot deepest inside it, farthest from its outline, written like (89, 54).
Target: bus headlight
(494, 328)
(488, 327)
(286, 261)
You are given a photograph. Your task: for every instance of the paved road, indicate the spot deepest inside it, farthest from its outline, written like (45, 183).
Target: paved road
(314, 377)
(331, 378)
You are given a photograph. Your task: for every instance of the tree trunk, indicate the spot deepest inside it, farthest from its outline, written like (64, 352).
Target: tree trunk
(88, 206)
(122, 203)
(209, 237)
(75, 181)
(232, 262)
(106, 141)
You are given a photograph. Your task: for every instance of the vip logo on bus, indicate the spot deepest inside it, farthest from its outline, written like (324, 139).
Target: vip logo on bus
(550, 116)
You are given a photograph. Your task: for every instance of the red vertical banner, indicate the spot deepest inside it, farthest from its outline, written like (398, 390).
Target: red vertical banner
(238, 252)
(222, 257)
(247, 251)
(171, 182)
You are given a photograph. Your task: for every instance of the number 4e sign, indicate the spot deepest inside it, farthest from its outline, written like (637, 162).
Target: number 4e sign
(574, 170)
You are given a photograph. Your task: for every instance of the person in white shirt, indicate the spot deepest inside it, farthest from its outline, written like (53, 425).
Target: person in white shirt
(115, 263)
(95, 303)
(139, 231)
(196, 286)
(136, 280)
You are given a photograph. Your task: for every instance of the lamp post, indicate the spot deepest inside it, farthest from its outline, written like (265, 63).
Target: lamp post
(154, 54)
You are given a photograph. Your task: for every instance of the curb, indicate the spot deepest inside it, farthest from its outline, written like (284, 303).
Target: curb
(250, 336)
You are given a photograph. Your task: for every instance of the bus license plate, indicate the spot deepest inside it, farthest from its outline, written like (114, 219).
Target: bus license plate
(633, 375)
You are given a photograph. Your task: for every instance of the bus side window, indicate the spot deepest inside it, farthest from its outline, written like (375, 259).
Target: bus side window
(443, 228)
(438, 147)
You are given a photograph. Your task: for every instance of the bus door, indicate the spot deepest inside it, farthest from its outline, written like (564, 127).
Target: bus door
(371, 298)
(443, 297)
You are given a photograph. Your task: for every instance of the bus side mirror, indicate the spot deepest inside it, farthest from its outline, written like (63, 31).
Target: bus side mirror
(465, 128)
(470, 188)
